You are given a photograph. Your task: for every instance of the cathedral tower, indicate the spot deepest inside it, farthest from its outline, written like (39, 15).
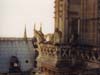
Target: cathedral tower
(61, 18)
(74, 41)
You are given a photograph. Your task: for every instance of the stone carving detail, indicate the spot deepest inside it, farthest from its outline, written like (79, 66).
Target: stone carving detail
(57, 36)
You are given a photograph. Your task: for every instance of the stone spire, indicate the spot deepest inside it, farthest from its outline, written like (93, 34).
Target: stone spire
(25, 34)
(41, 27)
(34, 30)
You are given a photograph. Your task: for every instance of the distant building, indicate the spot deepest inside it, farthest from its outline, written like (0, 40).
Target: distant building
(16, 54)
(73, 49)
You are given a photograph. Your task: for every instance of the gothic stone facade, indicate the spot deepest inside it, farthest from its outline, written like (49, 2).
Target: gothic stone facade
(73, 49)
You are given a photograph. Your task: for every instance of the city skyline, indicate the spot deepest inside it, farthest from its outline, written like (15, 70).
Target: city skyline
(15, 14)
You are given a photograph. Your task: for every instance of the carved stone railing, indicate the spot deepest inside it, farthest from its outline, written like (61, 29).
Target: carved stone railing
(65, 52)
(61, 58)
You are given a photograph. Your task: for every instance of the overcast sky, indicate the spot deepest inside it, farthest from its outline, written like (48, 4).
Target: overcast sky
(14, 14)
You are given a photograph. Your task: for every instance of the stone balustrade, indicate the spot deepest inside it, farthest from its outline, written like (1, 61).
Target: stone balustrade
(64, 52)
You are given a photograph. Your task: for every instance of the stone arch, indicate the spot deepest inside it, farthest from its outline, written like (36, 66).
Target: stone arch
(14, 66)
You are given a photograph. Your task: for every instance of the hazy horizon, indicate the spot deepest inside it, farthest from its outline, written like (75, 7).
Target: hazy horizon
(15, 14)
